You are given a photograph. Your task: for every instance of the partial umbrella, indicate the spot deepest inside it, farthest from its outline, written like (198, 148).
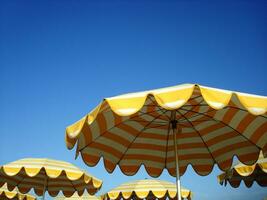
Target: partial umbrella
(146, 189)
(47, 175)
(172, 128)
(75, 196)
(246, 173)
(5, 194)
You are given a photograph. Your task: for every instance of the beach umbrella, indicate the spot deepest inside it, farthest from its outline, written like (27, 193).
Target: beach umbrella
(47, 175)
(146, 189)
(247, 173)
(75, 196)
(172, 128)
(5, 194)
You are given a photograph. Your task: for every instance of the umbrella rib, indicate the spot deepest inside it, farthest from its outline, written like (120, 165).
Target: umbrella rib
(197, 133)
(128, 147)
(167, 145)
(213, 119)
(155, 126)
(158, 123)
(101, 135)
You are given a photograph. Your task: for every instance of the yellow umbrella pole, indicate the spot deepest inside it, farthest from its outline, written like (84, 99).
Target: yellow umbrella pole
(174, 131)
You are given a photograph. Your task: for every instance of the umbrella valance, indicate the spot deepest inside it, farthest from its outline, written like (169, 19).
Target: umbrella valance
(147, 189)
(248, 174)
(47, 175)
(5, 194)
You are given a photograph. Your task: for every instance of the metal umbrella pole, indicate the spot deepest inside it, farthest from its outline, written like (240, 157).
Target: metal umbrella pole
(174, 131)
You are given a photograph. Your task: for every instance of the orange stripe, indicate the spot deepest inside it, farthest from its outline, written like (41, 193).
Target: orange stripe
(190, 157)
(259, 132)
(132, 169)
(102, 124)
(231, 147)
(200, 169)
(211, 128)
(106, 149)
(203, 169)
(228, 116)
(190, 146)
(118, 119)
(245, 122)
(206, 117)
(110, 166)
(148, 146)
(129, 169)
(153, 136)
(117, 138)
(87, 134)
(129, 129)
(194, 156)
(192, 102)
(223, 137)
(187, 135)
(153, 171)
(141, 157)
(90, 160)
(250, 157)
(225, 165)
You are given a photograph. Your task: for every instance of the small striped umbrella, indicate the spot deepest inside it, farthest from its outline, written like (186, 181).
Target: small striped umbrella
(146, 189)
(47, 175)
(172, 128)
(5, 194)
(75, 196)
(246, 173)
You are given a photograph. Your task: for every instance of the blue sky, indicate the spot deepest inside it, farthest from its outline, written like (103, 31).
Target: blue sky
(58, 59)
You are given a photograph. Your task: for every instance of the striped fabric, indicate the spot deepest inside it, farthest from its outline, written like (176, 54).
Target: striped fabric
(5, 194)
(248, 174)
(134, 129)
(51, 175)
(75, 196)
(146, 189)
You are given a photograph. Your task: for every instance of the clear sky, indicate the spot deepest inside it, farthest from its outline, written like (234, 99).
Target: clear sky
(58, 59)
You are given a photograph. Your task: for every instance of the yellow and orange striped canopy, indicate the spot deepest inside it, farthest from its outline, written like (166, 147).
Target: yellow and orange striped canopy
(146, 189)
(5, 194)
(134, 129)
(49, 175)
(75, 196)
(248, 174)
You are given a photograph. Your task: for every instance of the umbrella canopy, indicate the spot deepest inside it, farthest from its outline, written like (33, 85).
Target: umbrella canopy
(172, 128)
(47, 175)
(5, 194)
(75, 196)
(147, 189)
(249, 174)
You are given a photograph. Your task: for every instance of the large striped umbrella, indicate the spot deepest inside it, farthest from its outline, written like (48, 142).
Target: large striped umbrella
(246, 173)
(172, 128)
(75, 196)
(146, 189)
(47, 175)
(5, 194)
